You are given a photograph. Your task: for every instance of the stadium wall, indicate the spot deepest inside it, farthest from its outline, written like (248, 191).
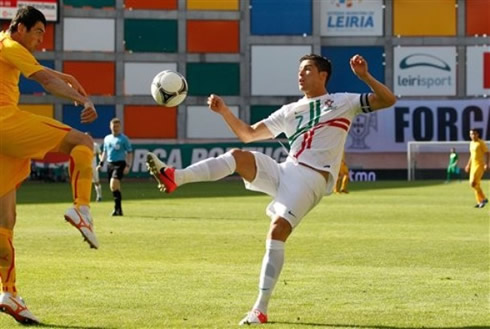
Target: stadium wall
(248, 52)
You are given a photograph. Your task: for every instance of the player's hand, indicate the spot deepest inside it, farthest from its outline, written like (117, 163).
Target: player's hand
(359, 66)
(467, 168)
(89, 114)
(126, 170)
(216, 103)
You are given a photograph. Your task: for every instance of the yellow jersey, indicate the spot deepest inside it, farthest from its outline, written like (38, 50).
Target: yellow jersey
(477, 152)
(14, 59)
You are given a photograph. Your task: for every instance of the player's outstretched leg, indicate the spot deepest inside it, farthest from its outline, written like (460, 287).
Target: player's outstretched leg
(164, 175)
(16, 307)
(210, 169)
(81, 183)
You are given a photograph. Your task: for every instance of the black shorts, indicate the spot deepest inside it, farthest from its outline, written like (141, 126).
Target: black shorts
(116, 170)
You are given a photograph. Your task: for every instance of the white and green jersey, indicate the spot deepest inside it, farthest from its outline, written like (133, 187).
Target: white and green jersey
(317, 127)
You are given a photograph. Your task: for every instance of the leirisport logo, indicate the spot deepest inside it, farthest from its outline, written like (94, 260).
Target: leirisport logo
(416, 60)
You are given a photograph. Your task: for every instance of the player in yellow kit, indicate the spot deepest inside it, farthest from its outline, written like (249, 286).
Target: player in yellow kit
(343, 178)
(25, 136)
(477, 164)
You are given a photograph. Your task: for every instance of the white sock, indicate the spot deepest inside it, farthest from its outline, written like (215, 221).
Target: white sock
(98, 190)
(271, 268)
(207, 170)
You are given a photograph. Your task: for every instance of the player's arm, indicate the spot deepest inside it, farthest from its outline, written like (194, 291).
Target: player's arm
(58, 87)
(101, 160)
(382, 97)
(245, 132)
(69, 79)
(99, 151)
(468, 165)
(129, 162)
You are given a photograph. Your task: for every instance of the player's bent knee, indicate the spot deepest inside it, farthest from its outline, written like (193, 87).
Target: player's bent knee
(75, 138)
(245, 163)
(86, 140)
(242, 158)
(238, 154)
(280, 229)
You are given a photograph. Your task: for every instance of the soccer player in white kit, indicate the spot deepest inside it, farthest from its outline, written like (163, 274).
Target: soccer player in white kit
(95, 172)
(316, 126)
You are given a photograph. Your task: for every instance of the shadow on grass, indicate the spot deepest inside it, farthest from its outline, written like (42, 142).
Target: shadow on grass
(327, 325)
(38, 192)
(48, 325)
(364, 186)
(179, 218)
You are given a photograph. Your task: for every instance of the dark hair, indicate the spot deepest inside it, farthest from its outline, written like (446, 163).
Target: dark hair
(322, 64)
(28, 16)
(474, 130)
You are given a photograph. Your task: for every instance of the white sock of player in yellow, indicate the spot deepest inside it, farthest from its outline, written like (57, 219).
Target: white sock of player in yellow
(207, 170)
(271, 268)
(98, 191)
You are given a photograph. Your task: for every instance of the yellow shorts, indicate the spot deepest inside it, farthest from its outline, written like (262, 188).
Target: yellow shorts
(24, 136)
(476, 173)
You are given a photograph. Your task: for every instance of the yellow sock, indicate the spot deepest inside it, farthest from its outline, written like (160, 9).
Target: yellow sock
(345, 181)
(7, 261)
(81, 174)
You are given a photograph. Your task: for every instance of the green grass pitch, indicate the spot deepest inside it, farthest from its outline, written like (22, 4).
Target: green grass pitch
(389, 255)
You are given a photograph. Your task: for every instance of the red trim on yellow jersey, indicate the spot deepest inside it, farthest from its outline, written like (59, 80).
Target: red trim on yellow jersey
(54, 126)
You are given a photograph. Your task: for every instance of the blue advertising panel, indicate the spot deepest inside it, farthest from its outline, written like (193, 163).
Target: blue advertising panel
(343, 79)
(285, 17)
(28, 86)
(99, 128)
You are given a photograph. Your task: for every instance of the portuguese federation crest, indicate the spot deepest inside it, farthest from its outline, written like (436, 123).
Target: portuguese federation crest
(361, 125)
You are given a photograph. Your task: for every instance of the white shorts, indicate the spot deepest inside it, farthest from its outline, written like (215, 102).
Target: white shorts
(296, 189)
(95, 174)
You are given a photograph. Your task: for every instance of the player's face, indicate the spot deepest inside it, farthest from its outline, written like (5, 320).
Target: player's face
(474, 135)
(31, 39)
(115, 128)
(310, 80)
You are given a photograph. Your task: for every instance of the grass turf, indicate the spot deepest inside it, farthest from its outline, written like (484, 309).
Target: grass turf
(389, 255)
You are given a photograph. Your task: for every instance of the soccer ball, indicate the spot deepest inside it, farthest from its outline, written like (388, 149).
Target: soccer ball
(169, 88)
